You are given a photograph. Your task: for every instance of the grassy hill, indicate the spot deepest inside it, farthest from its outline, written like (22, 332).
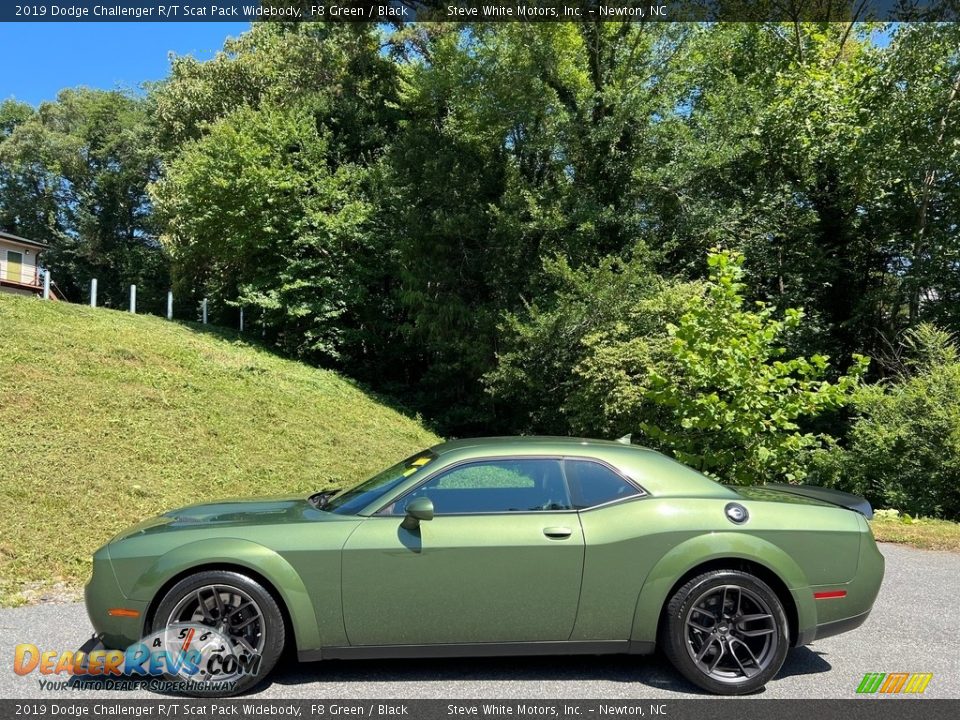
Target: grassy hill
(106, 418)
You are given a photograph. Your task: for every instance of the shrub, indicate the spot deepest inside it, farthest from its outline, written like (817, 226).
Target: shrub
(904, 446)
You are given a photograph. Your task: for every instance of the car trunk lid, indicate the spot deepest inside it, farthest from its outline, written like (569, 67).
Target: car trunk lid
(807, 495)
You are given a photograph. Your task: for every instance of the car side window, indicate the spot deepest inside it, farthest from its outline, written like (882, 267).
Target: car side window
(592, 483)
(494, 486)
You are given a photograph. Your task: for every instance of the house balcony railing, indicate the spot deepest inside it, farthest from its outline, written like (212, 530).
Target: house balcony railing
(34, 281)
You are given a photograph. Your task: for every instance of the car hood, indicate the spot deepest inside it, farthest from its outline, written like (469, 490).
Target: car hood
(246, 511)
(230, 513)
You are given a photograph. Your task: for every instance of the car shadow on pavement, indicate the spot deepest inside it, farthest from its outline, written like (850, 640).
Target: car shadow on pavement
(441, 677)
(803, 661)
(653, 671)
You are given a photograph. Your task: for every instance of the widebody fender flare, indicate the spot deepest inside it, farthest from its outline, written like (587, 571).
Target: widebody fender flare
(242, 554)
(711, 547)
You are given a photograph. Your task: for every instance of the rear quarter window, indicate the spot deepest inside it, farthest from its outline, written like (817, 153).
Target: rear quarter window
(592, 484)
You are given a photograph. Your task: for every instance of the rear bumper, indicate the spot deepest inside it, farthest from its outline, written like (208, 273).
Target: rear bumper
(832, 616)
(829, 629)
(836, 627)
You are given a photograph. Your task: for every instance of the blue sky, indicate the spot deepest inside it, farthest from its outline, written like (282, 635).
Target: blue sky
(50, 56)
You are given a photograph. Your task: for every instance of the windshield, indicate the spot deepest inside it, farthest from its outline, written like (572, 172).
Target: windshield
(352, 500)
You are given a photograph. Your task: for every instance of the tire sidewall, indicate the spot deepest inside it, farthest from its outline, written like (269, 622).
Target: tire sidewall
(273, 625)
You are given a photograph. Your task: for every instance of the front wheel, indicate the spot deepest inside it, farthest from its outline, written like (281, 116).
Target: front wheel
(726, 631)
(246, 627)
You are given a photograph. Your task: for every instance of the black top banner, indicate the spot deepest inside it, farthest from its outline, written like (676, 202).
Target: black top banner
(404, 11)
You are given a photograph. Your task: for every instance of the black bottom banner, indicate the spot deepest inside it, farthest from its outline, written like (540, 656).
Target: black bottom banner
(719, 709)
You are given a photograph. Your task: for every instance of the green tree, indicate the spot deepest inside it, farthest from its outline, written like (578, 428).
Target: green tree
(337, 67)
(449, 164)
(273, 163)
(720, 393)
(520, 144)
(827, 159)
(75, 174)
(536, 383)
(28, 191)
(916, 139)
(255, 216)
(768, 157)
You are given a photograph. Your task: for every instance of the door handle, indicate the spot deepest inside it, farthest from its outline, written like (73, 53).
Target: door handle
(557, 532)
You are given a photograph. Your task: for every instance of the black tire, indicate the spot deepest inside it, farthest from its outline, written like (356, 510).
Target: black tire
(266, 631)
(732, 621)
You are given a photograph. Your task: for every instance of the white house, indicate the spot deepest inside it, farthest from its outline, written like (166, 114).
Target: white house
(19, 272)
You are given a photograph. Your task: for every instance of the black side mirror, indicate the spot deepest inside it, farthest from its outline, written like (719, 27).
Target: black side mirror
(417, 510)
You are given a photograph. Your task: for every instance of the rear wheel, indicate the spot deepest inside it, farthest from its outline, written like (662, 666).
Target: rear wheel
(726, 631)
(242, 612)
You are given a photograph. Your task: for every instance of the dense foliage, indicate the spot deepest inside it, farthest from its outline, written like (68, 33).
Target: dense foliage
(717, 391)
(506, 226)
(544, 379)
(904, 446)
(690, 368)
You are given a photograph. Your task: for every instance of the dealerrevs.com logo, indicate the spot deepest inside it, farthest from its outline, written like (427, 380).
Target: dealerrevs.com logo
(185, 652)
(894, 683)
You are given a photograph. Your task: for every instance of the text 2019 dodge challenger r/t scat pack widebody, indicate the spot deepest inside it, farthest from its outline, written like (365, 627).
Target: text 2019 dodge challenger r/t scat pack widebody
(499, 546)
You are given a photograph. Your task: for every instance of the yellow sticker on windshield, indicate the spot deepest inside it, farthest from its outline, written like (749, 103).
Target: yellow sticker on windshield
(420, 461)
(410, 472)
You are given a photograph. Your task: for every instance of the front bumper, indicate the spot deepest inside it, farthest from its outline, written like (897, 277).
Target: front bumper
(101, 594)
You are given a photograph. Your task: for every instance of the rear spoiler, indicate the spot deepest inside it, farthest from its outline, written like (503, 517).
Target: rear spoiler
(834, 497)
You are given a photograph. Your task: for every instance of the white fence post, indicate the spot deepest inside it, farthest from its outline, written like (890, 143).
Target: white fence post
(46, 284)
(133, 298)
(241, 318)
(169, 304)
(204, 311)
(93, 292)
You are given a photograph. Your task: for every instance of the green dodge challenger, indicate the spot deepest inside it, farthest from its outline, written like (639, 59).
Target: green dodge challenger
(501, 546)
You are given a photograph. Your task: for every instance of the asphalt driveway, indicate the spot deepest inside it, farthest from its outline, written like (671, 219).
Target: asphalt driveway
(912, 629)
